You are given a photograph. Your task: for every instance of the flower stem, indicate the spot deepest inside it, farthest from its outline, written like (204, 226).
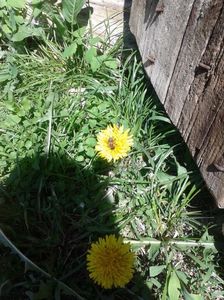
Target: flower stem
(142, 243)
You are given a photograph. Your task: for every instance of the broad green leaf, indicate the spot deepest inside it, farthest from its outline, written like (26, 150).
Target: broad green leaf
(28, 144)
(156, 270)
(93, 41)
(112, 64)
(91, 141)
(6, 29)
(24, 32)
(19, 19)
(90, 152)
(92, 123)
(4, 75)
(11, 21)
(12, 155)
(85, 129)
(206, 237)
(79, 33)
(103, 106)
(21, 34)
(14, 118)
(174, 286)
(16, 3)
(155, 282)
(59, 22)
(70, 50)
(153, 251)
(13, 71)
(181, 170)
(188, 296)
(26, 104)
(3, 3)
(182, 276)
(9, 106)
(165, 178)
(90, 54)
(95, 64)
(70, 9)
(79, 158)
(36, 12)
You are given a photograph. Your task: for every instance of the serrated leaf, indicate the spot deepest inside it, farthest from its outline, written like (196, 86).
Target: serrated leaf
(70, 9)
(174, 286)
(156, 270)
(16, 3)
(70, 50)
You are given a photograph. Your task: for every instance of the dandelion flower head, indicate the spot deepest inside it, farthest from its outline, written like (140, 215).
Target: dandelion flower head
(110, 262)
(114, 142)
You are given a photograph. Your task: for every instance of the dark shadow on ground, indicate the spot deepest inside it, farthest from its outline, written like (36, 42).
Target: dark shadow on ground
(51, 209)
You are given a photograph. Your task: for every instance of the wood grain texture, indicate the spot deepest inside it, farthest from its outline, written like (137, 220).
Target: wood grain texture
(157, 36)
(108, 17)
(188, 75)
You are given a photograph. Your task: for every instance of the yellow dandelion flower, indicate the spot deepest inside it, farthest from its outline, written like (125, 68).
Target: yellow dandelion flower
(114, 142)
(110, 262)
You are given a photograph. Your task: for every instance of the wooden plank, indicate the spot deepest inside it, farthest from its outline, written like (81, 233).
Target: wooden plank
(202, 20)
(158, 38)
(195, 97)
(107, 18)
(186, 43)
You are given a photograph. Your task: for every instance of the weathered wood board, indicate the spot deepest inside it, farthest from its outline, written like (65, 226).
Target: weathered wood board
(108, 17)
(182, 48)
